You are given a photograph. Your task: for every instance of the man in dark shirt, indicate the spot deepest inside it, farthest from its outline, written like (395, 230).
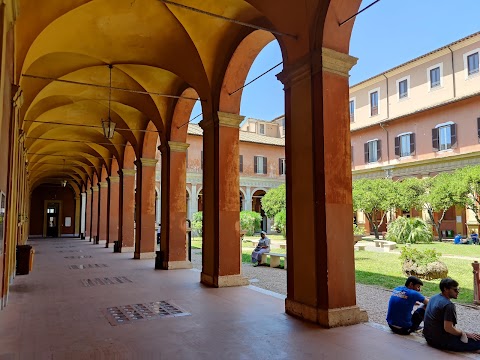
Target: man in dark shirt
(441, 318)
(400, 306)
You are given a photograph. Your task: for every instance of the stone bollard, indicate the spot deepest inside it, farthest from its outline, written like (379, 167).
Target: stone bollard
(476, 282)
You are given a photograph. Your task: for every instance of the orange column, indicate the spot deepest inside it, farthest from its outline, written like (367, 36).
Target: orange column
(128, 209)
(174, 206)
(114, 209)
(94, 211)
(221, 215)
(321, 269)
(145, 236)
(103, 214)
(88, 219)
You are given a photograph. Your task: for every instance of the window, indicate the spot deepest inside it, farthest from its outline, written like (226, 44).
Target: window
(405, 145)
(444, 136)
(260, 164)
(374, 103)
(261, 129)
(241, 164)
(402, 85)
(434, 77)
(472, 63)
(352, 110)
(201, 159)
(281, 166)
(373, 151)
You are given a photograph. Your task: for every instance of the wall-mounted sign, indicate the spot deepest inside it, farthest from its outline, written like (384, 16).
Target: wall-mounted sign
(68, 221)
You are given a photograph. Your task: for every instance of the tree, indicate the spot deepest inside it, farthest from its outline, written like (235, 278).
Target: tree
(409, 230)
(281, 222)
(408, 194)
(274, 201)
(468, 188)
(249, 221)
(441, 193)
(197, 222)
(375, 197)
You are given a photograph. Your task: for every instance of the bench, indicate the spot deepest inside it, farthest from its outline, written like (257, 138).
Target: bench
(275, 259)
(360, 247)
(385, 245)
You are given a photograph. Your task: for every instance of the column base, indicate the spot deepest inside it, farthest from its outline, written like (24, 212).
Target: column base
(176, 265)
(327, 318)
(127, 249)
(145, 255)
(224, 281)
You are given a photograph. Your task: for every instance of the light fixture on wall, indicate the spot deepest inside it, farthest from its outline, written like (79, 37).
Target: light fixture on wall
(64, 183)
(108, 125)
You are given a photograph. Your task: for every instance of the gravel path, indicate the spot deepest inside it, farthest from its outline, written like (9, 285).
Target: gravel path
(370, 298)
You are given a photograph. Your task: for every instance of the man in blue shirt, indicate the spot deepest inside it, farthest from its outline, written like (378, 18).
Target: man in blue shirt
(441, 319)
(403, 299)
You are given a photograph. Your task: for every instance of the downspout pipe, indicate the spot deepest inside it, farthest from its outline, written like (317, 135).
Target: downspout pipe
(453, 74)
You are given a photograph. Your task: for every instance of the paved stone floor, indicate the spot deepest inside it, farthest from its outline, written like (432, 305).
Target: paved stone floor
(52, 315)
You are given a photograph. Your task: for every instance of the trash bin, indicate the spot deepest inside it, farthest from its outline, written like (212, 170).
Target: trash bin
(24, 259)
(116, 246)
(159, 260)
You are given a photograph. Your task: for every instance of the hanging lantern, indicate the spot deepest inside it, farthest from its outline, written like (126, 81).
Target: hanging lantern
(108, 128)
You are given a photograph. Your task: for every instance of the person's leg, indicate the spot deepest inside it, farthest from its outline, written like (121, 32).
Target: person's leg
(254, 256)
(399, 331)
(457, 345)
(417, 318)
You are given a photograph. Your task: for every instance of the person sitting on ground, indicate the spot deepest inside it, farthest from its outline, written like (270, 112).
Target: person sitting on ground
(458, 239)
(262, 248)
(441, 318)
(403, 299)
(474, 237)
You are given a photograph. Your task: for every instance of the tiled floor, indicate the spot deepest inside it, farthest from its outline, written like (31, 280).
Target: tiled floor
(53, 315)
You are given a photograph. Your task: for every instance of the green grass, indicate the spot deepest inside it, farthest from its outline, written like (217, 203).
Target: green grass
(385, 270)
(449, 249)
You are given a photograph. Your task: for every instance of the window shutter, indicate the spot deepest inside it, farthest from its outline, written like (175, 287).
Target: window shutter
(453, 132)
(397, 146)
(365, 148)
(412, 144)
(255, 165)
(478, 128)
(435, 144)
(201, 159)
(379, 150)
(279, 166)
(264, 165)
(351, 153)
(241, 163)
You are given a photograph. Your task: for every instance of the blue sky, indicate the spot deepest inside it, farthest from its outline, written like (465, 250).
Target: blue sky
(388, 34)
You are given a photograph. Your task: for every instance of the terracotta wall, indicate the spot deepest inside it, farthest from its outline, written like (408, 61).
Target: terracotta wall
(37, 209)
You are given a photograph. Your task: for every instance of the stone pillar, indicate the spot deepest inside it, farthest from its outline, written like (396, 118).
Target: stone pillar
(95, 204)
(77, 215)
(321, 284)
(174, 181)
(88, 216)
(221, 203)
(83, 214)
(193, 202)
(248, 198)
(114, 209)
(103, 215)
(128, 210)
(145, 236)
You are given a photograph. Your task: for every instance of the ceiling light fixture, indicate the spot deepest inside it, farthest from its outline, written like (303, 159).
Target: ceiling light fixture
(108, 125)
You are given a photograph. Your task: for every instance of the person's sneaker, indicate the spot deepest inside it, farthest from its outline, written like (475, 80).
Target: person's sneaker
(255, 265)
(420, 328)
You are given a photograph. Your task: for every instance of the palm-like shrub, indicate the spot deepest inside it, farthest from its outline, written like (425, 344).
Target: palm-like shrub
(409, 231)
(249, 221)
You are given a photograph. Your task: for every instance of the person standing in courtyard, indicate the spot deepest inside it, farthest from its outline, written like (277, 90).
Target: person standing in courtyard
(262, 248)
(400, 307)
(440, 329)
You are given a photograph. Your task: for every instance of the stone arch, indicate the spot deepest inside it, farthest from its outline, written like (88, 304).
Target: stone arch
(181, 116)
(129, 157)
(238, 68)
(149, 147)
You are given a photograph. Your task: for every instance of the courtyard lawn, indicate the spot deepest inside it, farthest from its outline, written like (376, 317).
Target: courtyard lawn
(273, 237)
(472, 251)
(385, 270)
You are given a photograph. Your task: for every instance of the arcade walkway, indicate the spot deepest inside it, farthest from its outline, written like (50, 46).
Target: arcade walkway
(53, 315)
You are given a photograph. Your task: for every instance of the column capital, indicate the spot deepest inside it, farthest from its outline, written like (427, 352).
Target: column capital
(148, 162)
(229, 120)
(326, 60)
(77, 197)
(103, 184)
(89, 192)
(129, 172)
(95, 189)
(178, 146)
(114, 179)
